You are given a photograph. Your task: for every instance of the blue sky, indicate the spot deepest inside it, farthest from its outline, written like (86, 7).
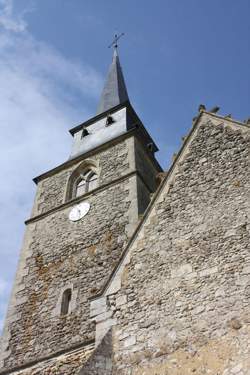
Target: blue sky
(54, 58)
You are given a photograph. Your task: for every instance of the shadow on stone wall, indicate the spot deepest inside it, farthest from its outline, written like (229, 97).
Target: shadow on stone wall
(100, 363)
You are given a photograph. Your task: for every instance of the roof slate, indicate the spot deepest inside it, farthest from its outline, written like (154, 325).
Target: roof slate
(114, 91)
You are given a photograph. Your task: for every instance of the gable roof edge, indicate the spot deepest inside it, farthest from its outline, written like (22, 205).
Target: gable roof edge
(149, 208)
(165, 181)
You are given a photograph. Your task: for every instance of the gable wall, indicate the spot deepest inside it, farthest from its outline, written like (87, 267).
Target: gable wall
(183, 305)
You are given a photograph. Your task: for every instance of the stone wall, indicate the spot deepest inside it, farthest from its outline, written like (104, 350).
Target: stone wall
(63, 364)
(67, 254)
(113, 163)
(179, 301)
(59, 254)
(146, 168)
(144, 196)
(101, 360)
(145, 165)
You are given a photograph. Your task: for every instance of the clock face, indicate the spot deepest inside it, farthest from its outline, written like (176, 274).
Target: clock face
(79, 211)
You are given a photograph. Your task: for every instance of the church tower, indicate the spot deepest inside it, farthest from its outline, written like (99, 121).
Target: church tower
(84, 213)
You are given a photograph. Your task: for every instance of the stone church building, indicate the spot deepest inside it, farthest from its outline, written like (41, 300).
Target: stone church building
(127, 269)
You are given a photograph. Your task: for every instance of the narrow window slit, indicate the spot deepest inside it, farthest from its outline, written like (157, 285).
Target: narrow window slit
(66, 300)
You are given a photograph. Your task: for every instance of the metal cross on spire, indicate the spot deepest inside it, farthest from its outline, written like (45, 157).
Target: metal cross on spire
(115, 41)
(114, 91)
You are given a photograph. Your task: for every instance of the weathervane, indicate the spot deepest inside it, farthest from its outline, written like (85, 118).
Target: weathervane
(116, 38)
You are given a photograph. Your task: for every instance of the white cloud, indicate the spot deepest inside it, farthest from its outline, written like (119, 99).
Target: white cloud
(42, 94)
(7, 19)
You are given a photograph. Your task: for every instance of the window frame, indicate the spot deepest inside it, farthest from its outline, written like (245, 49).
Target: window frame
(66, 302)
(85, 178)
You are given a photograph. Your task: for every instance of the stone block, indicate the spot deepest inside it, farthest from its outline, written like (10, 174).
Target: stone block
(129, 341)
(208, 271)
(181, 271)
(121, 300)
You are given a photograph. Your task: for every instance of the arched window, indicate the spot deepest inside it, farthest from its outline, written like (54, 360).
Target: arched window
(66, 299)
(86, 181)
(82, 180)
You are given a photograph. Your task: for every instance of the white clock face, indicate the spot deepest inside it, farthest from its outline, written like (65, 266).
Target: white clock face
(79, 211)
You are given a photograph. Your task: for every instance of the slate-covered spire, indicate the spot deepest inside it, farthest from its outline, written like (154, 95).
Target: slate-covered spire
(114, 91)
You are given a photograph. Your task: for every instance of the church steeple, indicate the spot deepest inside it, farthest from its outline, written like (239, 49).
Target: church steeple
(115, 116)
(114, 91)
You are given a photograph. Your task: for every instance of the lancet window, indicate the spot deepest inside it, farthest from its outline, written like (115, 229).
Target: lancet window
(66, 300)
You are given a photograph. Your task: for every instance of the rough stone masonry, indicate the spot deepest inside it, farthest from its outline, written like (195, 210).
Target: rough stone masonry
(153, 280)
(59, 254)
(180, 296)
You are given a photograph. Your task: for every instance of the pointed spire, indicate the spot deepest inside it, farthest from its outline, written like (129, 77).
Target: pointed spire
(114, 91)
